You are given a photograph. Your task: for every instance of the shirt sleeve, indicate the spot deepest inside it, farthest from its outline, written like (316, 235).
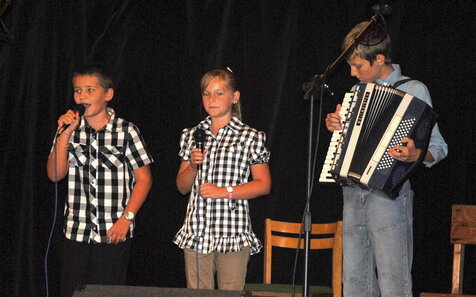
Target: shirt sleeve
(137, 153)
(437, 146)
(185, 145)
(258, 152)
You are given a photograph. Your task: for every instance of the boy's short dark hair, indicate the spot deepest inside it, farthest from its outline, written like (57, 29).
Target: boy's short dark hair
(376, 41)
(100, 71)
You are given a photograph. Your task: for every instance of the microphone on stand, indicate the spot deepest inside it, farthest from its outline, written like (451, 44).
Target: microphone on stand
(200, 137)
(78, 108)
(384, 9)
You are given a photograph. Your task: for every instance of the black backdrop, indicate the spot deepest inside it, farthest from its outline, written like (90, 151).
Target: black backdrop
(157, 51)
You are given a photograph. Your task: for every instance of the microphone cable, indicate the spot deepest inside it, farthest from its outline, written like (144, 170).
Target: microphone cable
(55, 212)
(80, 109)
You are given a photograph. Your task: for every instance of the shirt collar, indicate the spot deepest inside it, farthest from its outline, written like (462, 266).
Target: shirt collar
(235, 125)
(83, 126)
(395, 76)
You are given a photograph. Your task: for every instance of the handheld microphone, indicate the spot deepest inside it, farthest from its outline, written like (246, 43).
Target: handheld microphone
(200, 137)
(80, 109)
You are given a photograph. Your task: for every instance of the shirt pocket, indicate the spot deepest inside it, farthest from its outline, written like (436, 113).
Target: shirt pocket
(78, 154)
(236, 147)
(111, 157)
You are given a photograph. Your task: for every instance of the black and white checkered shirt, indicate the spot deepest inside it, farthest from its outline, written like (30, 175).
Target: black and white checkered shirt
(100, 178)
(222, 225)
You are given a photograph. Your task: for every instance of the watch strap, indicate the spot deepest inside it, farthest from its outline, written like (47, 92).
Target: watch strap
(229, 189)
(129, 215)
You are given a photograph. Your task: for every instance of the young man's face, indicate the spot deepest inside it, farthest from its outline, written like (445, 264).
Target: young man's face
(88, 92)
(363, 70)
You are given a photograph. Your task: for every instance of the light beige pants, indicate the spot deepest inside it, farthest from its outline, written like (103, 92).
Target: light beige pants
(230, 269)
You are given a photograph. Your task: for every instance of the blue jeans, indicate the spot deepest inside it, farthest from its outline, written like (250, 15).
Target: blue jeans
(378, 243)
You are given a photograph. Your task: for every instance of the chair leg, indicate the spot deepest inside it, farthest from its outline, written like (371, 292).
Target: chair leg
(458, 265)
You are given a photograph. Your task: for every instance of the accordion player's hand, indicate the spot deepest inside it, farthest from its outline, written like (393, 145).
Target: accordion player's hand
(333, 120)
(407, 152)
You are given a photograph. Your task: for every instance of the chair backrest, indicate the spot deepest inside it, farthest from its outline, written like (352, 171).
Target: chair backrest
(287, 239)
(463, 231)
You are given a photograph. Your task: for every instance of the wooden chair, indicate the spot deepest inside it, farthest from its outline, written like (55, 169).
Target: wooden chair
(463, 231)
(287, 239)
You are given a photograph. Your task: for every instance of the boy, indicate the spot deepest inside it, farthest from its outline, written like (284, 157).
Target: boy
(378, 232)
(107, 164)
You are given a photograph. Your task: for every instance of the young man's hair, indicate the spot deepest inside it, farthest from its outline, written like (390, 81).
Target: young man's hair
(230, 79)
(375, 41)
(99, 71)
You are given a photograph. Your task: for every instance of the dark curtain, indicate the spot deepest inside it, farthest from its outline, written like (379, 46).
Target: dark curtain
(157, 51)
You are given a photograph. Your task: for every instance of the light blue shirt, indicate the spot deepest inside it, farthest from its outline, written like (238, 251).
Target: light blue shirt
(437, 146)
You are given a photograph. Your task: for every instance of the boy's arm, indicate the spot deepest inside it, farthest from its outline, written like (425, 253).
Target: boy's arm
(60, 151)
(141, 188)
(72, 118)
(143, 177)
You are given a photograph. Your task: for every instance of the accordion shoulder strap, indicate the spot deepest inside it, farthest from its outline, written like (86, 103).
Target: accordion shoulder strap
(400, 82)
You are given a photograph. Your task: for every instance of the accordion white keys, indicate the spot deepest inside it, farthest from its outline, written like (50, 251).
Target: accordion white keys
(376, 118)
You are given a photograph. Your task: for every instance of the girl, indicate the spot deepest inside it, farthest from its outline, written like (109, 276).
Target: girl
(216, 235)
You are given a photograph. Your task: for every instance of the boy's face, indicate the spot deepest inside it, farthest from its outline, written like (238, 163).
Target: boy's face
(364, 71)
(89, 93)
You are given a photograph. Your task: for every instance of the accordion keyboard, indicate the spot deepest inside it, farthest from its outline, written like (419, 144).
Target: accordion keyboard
(333, 153)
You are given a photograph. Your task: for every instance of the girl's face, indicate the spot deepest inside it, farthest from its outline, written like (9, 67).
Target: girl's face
(218, 98)
(91, 94)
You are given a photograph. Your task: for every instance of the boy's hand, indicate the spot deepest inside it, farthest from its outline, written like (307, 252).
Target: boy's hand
(71, 118)
(407, 152)
(118, 231)
(333, 120)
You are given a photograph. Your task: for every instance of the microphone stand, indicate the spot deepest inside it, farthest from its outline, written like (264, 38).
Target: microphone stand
(318, 82)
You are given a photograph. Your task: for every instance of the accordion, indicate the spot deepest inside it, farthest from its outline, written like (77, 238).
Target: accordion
(376, 118)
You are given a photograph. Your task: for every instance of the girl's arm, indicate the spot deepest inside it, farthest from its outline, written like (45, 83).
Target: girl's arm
(259, 186)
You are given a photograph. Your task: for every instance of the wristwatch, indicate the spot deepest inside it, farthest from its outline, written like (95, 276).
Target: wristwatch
(129, 215)
(230, 192)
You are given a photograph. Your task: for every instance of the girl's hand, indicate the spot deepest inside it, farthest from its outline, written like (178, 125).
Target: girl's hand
(208, 190)
(197, 157)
